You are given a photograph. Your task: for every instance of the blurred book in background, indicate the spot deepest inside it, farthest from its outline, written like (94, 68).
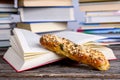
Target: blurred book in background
(7, 17)
(43, 27)
(102, 17)
(42, 16)
(34, 3)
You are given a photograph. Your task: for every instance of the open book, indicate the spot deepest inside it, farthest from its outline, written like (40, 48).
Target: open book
(26, 52)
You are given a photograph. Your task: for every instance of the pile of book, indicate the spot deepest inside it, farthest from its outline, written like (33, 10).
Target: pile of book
(7, 17)
(41, 16)
(102, 17)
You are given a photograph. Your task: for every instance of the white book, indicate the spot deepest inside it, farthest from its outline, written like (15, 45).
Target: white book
(43, 27)
(5, 34)
(103, 13)
(26, 51)
(9, 18)
(4, 44)
(5, 26)
(103, 19)
(46, 14)
(99, 26)
(100, 6)
(8, 10)
(45, 3)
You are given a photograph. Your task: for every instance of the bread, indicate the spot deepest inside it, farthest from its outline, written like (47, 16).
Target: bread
(76, 52)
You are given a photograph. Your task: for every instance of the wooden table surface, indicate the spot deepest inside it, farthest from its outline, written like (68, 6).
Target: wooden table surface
(62, 70)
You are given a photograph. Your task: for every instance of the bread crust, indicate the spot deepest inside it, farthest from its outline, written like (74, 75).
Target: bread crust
(79, 53)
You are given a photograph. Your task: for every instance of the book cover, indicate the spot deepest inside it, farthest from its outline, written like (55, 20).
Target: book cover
(110, 35)
(4, 43)
(41, 3)
(56, 14)
(101, 31)
(94, 0)
(86, 26)
(5, 34)
(103, 19)
(43, 27)
(8, 10)
(100, 6)
(103, 13)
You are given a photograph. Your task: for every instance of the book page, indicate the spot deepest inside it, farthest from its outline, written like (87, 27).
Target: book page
(29, 42)
(107, 52)
(16, 47)
(82, 38)
(13, 59)
(79, 38)
(20, 65)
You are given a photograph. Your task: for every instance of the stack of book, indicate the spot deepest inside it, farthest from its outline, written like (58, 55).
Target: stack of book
(7, 17)
(102, 17)
(41, 16)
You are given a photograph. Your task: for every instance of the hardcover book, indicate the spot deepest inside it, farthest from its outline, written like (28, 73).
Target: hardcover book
(43, 27)
(26, 51)
(47, 14)
(34, 3)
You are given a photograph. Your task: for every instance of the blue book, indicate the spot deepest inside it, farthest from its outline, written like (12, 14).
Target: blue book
(114, 35)
(102, 31)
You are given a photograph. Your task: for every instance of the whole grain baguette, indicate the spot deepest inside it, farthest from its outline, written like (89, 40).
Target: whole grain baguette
(76, 52)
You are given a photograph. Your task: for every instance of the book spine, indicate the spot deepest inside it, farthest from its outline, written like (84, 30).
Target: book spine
(102, 31)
